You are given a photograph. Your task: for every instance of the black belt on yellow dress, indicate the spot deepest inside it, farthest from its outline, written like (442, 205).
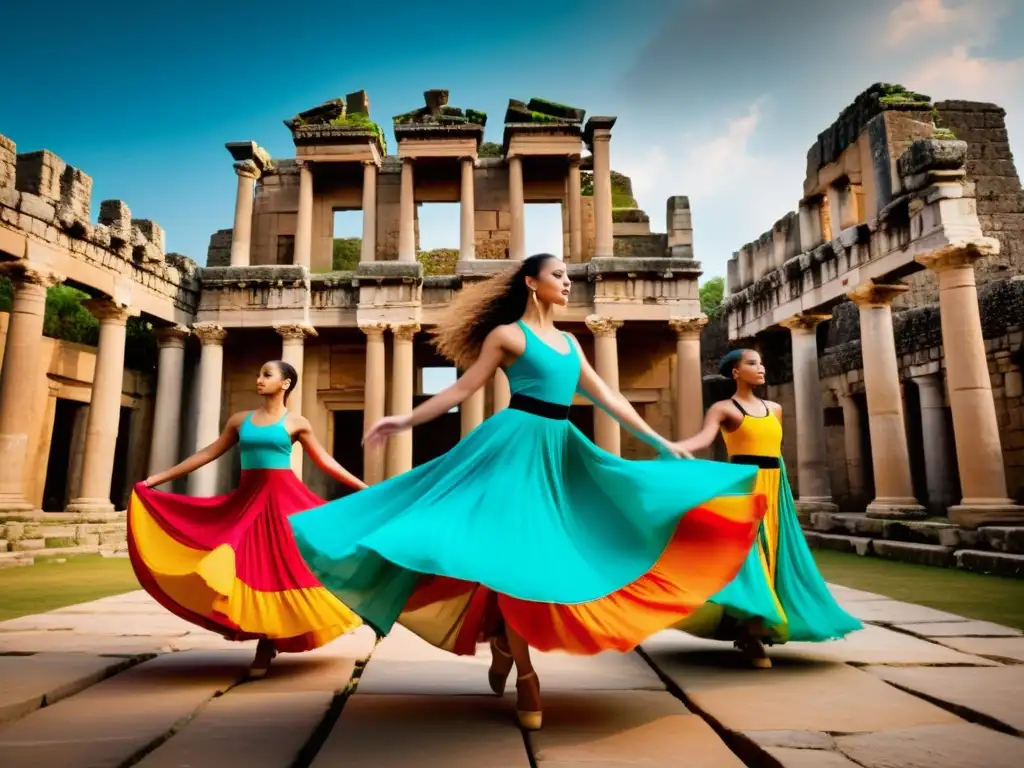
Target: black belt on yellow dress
(762, 462)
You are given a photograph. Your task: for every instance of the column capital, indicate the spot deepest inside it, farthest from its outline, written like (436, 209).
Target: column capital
(53, 387)
(467, 159)
(369, 164)
(688, 326)
(574, 160)
(26, 273)
(108, 311)
(295, 331)
(304, 165)
(871, 294)
(247, 169)
(212, 334)
(172, 336)
(960, 253)
(404, 331)
(804, 322)
(603, 326)
(374, 331)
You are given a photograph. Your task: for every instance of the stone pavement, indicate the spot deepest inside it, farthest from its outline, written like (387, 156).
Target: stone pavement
(120, 682)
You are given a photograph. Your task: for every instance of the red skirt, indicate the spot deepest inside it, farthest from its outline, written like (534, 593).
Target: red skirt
(230, 564)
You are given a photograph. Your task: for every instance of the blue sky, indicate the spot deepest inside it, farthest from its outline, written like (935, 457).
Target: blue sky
(716, 99)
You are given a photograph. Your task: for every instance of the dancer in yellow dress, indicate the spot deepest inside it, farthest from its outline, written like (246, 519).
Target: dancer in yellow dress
(779, 594)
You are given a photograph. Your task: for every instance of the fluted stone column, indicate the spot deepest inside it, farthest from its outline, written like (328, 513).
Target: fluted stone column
(890, 457)
(167, 413)
(374, 398)
(976, 430)
(104, 409)
(203, 482)
(407, 214)
(21, 363)
(601, 145)
(935, 440)
(607, 434)
(575, 211)
(812, 463)
(689, 406)
(501, 391)
(241, 235)
(293, 351)
(516, 204)
(368, 250)
(304, 217)
(853, 445)
(471, 412)
(467, 213)
(399, 448)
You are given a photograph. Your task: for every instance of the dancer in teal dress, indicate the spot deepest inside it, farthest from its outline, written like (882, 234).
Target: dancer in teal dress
(526, 533)
(779, 594)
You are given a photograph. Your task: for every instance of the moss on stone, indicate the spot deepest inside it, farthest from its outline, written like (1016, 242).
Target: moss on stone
(894, 94)
(476, 117)
(943, 134)
(60, 542)
(439, 261)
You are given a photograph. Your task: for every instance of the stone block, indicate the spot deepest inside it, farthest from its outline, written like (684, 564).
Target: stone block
(8, 163)
(966, 628)
(957, 745)
(504, 220)
(150, 230)
(1001, 648)
(4, 545)
(75, 197)
(896, 612)
(839, 542)
(997, 563)
(37, 207)
(31, 682)
(485, 220)
(910, 552)
(39, 173)
(60, 542)
(116, 215)
(789, 757)
(1003, 538)
(28, 545)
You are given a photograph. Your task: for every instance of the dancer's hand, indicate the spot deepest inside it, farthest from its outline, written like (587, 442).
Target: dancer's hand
(680, 450)
(385, 428)
(150, 481)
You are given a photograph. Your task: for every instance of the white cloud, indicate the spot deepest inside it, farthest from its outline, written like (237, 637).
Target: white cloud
(958, 74)
(973, 21)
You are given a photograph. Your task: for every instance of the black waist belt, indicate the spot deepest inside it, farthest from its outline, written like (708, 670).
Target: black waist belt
(539, 407)
(762, 462)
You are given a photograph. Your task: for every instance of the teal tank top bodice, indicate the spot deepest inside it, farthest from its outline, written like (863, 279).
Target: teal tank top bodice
(543, 372)
(265, 447)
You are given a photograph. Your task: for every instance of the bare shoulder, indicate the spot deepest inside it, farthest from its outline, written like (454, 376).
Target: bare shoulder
(508, 337)
(297, 423)
(236, 419)
(774, 408)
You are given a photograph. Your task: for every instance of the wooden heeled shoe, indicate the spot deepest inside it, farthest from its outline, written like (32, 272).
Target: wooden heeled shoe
(528, 721)
(497, 678)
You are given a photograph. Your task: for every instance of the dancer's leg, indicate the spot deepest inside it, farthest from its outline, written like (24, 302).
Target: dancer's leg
(528, 704)
(265, 653)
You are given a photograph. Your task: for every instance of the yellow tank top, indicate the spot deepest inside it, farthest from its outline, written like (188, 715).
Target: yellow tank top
(755, 436)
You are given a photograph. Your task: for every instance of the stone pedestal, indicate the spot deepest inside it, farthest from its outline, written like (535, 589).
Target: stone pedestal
(374, 398)
(890, 457)
(467, 213)
(241, 235)
(203, 482)
(517, 226)
(21, 363)
(304, 217)
(399, 447)
(978, 448)
(293, 352)
(688, 411)
(368, 248)
(575, 205)
(607, 433)
(167, 415)
(815, 488)
(407, 214)
(104, 409)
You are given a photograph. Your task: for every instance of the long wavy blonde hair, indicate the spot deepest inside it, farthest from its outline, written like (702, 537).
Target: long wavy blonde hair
(479, 309)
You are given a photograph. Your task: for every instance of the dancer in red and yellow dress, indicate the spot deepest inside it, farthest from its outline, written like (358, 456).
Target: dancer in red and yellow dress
(230, 563)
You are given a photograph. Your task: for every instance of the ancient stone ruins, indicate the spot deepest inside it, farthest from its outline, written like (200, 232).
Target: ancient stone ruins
(901, 264)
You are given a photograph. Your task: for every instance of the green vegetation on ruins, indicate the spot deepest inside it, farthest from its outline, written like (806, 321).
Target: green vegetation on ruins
(622, 189)
(489, 149)
(49, 584)
(543, 111)
(711, 294)
(943, 134)
(895, 95)
(345, 258)
(353, 115)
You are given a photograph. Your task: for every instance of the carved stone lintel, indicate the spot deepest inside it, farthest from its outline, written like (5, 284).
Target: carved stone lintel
(872, 294)
(295, 331)
(172, 336)
(374, 331)
(804, 322)
(209, 333)
(688, 326)
(248, 169)
(959, 253)
(23, 272)
(108, 311)
(405, 331)
(603, 326)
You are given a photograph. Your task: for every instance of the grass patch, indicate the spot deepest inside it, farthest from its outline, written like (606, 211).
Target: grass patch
(48, 585)
(974, 595)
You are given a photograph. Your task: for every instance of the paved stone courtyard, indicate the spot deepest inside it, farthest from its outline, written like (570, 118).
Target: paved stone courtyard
(120, 682)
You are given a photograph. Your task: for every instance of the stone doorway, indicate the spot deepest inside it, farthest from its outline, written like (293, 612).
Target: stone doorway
(119, 490)
(347, 448)
(58, 464)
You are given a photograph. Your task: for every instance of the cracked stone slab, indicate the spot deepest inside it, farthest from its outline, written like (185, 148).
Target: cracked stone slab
(625, 728)
(809, 758)
(960, 629)
(110, 722)
(1010, 648)
(895, 612)
(267, 731)
(81, 642)
(792, 739)
(100, 623)
(443, 732)
(994, 693)
(962, 745)
(30, 682)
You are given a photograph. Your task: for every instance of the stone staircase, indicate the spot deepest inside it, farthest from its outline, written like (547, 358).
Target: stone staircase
(25, 537)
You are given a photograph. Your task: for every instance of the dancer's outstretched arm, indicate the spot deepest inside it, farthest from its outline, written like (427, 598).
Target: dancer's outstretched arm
(201, 458)
(305, 437)
(617, 405)
(713, 421)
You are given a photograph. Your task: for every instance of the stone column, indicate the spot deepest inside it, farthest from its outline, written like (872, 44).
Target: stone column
(21, 363)
(293, 351)
(374, 398)
(853, 445)
(688, 414)
(890, 457)
(935, 439)
(607, 433)
(517, 225)
(575, 211)
(399, 450)
(471, 412)
(304, 218)
(104, 409)
(603, 243)
(502, 391)
(467, 213)
(241, 235)
(368, 251)
(812, 464)
(203, 482)
(407, 214)
(167, 415)
(978, 449)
